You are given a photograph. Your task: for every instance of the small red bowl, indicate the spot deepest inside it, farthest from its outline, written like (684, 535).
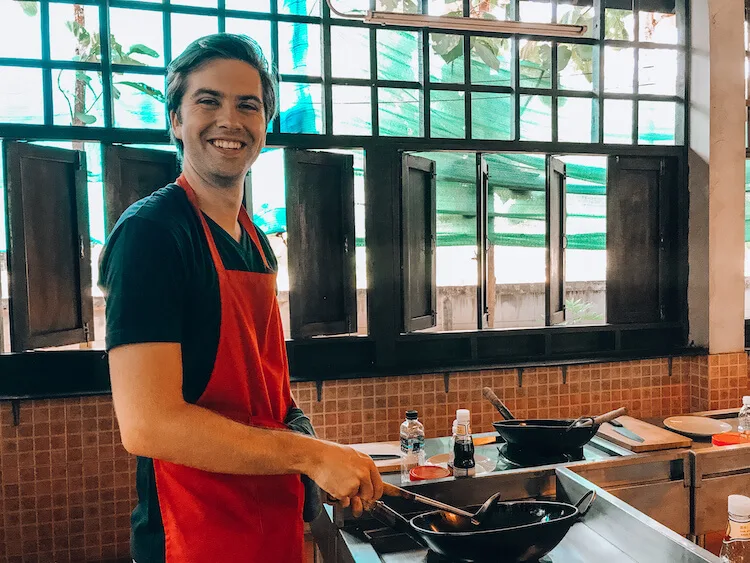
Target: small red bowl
(729, 439)
(425, 472)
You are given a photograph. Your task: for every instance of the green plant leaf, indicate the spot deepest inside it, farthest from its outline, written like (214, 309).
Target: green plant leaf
(564, 53)
(145, 88)
(443, 44)
(115, 93)
(79, 32)
(488, 57)
(86, 118)
(83, 77)
(140, 49)
(29, 8)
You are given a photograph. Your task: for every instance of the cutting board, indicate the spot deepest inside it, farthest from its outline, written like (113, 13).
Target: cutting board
(655, 438)
(394, 448)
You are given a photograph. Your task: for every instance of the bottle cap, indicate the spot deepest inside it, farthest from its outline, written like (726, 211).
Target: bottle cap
(411, 415)
(463, 416)
(746, 400)
(739, 505)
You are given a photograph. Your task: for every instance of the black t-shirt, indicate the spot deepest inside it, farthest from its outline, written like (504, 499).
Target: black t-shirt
(161, 285)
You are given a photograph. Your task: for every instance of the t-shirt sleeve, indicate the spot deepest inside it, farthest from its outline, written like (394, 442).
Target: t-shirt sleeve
(142, 276)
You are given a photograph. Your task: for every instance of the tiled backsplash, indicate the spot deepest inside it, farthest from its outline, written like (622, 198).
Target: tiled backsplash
(67, 484)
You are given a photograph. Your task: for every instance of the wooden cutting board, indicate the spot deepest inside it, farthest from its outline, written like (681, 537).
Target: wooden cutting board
(394, 448)
(655, 438)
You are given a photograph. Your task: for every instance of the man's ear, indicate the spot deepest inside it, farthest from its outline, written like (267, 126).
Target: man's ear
(176, 122)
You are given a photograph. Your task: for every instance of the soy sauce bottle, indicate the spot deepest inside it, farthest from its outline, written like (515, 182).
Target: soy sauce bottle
(463, 446)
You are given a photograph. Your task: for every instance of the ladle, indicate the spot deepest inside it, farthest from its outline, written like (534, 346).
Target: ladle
(394, 491)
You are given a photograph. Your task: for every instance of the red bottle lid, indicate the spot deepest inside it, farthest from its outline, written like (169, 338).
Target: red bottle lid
(425, 472)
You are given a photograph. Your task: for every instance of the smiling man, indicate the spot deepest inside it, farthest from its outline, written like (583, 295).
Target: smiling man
(197, 357)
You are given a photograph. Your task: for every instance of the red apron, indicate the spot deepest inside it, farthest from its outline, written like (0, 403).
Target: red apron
(213, 517)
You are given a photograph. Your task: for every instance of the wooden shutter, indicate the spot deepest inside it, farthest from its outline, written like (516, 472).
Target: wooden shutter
(49, 249)
(321, 243)
(483, 289)
(638, 223)
(555, 286)
(131, 174)
(418, 240)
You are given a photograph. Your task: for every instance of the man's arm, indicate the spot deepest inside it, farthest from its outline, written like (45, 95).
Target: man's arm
(156, 422)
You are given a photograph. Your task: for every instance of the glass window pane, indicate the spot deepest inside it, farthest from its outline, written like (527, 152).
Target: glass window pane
(445, 8)
(657, 122)
(618, 122)
(351, 110)
(446, 58)
(21, 96)
(490, 61)
(399, 112)
(586, 231)
(536, 118)
(657, 27)
(300, 7)
(619, 24)
(619, 66)
(76, 97)
(401, 6)
(575, 65)
(398, 55)
(21, 37)
(71, 31)
(350, 52)
(575, 120)
(299, 49)
(198, 3)
(516, 227)
(536, 64)
(187, 28)
(497, 10)
(535, 11)
(349, 6)
(301, 108)
(447, 116)
(577, 15)
(660, 71)
(491, 116)
(138, 28)
(258, 30)
(256, 6)
(139, 101)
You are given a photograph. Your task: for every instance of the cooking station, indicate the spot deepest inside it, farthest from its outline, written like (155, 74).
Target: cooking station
(628, 487)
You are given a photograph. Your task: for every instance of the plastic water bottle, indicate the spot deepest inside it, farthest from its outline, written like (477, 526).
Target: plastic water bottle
(743, 420)
(451, 452)
(736, 546)
(412, 444)
(463, 449)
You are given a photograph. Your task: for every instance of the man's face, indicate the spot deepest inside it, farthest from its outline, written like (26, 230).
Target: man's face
(222, 121)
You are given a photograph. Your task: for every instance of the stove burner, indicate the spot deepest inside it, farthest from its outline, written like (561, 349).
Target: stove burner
(517, 456)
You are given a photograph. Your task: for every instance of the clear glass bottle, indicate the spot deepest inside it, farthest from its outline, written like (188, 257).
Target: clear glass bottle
(463, 449)
(736, 545)
(451, 453)
(743, 420)
(412, 444)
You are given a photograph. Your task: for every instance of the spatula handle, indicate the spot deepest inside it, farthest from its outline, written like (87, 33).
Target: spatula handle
(489, 394)
(611, 415)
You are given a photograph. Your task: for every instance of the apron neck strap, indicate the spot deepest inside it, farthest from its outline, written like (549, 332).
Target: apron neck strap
(244, 220)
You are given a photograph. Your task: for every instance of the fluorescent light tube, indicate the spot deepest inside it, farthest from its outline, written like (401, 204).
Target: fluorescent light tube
(474, 24)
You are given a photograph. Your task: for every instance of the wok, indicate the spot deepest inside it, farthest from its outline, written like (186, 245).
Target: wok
(547, 436)
(515, 532)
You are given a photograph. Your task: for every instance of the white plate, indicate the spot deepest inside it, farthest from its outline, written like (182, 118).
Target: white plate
(700, 426)
(482, 464)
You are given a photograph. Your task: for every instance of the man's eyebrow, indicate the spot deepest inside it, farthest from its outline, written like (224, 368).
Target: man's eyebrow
(203, 91)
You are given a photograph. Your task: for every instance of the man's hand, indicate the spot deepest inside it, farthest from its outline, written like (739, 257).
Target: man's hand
(348, 476)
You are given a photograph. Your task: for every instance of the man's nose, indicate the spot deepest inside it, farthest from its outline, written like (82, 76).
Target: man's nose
(228, 117)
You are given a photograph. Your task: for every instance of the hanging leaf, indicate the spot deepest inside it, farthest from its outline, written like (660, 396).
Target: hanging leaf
(487, 56)
(443, 44)
(115, 93)
(81, 76)
(79, 32)
(145, 88)
(85, 118)
(139, 49)
(583, 57)
(564, 53)
(29, 8)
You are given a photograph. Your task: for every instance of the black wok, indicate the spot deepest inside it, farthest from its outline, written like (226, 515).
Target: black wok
(515, 532)
(547, 436)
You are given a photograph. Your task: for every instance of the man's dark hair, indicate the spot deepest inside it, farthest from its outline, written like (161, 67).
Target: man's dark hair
(215, 47)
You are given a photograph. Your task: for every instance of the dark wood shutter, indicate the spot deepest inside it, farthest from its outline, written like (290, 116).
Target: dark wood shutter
(555, 286)
(321, 243)
(418, 240)
(131, 174)
(49, 249)
(483, 179)
(638, 229)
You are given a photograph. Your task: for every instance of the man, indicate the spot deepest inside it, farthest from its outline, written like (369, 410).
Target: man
(197, 358)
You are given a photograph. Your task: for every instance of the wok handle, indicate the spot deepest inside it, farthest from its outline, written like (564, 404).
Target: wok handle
(394, 491)
(591, 495)
(610, 416)
(489, 394)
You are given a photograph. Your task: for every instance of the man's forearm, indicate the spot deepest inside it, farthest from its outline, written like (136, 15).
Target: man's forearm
(194, 436)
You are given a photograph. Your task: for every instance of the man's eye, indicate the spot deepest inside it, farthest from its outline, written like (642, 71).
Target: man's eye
(249, 107)
(208, 102)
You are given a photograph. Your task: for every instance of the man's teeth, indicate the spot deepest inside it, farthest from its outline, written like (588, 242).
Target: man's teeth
(227, 144)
